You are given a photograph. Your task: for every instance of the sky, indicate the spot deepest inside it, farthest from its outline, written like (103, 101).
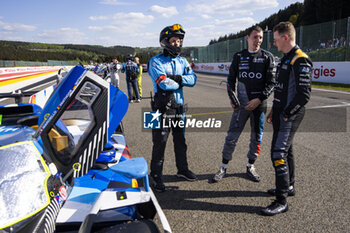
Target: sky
(129, 23)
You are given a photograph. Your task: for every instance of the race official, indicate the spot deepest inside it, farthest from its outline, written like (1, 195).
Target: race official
(170, 73)
(253, 70)
(291, 94)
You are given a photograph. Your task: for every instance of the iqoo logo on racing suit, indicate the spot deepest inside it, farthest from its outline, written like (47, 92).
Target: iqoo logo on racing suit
(259, 60)
(250, 75)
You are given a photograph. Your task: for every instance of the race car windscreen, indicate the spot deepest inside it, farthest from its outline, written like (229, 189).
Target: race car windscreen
(23, 176)
(73, 126)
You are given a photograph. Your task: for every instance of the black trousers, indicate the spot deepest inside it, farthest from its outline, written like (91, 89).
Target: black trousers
(160, 137)
(282, 150)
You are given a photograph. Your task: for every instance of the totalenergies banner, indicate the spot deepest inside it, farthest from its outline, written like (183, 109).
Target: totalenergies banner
(330, 72)
(12, 70)
(215, 68)
(14, 78)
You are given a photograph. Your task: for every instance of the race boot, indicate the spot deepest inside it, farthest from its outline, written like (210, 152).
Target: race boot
(274, 208)
(187, 174)
(219, 175)
(253, 175)
(157, 183)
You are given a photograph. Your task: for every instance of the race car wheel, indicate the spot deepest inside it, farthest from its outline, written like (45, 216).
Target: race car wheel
(140, 226)
(147, 210)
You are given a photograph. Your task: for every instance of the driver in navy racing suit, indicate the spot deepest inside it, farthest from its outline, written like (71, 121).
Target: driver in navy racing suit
(254, 69)
(292, 93)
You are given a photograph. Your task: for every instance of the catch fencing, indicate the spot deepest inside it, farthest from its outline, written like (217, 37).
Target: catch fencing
(323, 42)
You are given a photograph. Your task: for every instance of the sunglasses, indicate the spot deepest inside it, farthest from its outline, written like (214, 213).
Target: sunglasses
(177, 27)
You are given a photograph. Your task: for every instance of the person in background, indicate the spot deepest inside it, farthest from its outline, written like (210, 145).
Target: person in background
(131, 69)
(139, 77)
(106, 71)
(192, 65)
(114, 68)
(291, 94)
(101, 70)
(95, 66)
(254, 70)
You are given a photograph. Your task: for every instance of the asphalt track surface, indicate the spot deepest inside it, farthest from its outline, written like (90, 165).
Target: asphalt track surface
(322, 201)
(321, 147)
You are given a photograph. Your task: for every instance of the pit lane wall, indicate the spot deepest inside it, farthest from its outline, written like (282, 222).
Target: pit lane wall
(14, 78)
(328, 72)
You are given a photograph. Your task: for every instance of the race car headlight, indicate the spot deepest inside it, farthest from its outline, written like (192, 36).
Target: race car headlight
(23, 181)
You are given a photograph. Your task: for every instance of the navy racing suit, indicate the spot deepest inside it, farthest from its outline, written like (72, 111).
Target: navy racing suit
(255, 73)
(169, 100)
(292, 92)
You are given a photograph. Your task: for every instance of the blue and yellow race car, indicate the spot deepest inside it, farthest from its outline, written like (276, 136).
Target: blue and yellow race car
(65, 167)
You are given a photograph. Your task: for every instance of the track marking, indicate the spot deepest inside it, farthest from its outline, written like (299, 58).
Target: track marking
(342, 104)
(209, 113)
(39, 86)
(333, 91)
(44, 84)
(11, 81)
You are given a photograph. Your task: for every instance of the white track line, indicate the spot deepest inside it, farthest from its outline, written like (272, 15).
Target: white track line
(342, 104)
(334, 91)
(51, 82)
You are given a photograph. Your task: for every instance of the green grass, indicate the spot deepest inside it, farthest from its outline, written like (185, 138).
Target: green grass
(333, 86)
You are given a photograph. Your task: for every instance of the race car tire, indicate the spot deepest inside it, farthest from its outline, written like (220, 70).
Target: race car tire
(147, 210)
(139, 226)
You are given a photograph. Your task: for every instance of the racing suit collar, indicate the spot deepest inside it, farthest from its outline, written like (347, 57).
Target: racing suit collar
(253, 52)
(166, 54)
(292, 51)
